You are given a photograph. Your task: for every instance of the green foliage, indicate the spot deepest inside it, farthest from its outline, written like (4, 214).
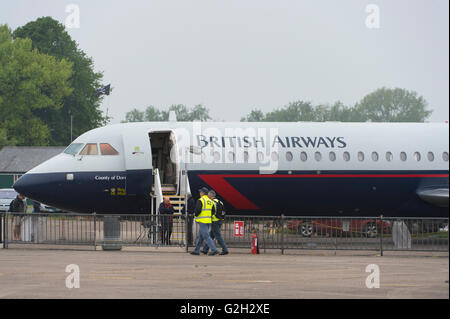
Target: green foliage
(134, 116)
(303, 111)
(393, 105)
(30, 83)
(49, 37)
(4, 141)
(254, 116)
(383, 105)
(152, 114)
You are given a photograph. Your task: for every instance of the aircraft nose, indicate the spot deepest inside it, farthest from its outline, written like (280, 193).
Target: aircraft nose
(24, 186)
(34, 186)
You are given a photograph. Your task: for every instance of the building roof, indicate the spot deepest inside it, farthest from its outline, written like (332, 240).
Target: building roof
(20, 159)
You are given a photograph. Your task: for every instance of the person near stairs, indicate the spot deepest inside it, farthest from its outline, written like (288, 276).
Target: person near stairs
(204, 209)
(166, 211)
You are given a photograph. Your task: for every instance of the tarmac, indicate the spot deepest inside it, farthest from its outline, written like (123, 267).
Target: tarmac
(170, 273)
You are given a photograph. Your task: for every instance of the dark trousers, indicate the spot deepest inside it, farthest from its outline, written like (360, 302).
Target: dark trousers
(166, 232)
(190, 235)
(216, 234)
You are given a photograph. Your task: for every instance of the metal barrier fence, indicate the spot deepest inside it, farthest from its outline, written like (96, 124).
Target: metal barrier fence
(91, 230)
(340, 233)
(273, 232)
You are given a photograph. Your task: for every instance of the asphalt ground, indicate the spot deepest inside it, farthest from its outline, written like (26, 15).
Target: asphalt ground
(170, 273)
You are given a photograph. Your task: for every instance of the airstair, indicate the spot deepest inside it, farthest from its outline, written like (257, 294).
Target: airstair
(177, 199)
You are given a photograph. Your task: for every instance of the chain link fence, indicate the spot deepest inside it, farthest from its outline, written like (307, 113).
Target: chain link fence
(273, 232)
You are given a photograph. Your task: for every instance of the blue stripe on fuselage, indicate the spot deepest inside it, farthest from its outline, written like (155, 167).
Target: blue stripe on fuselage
(101, 192)
(290, 196)
(343, 196)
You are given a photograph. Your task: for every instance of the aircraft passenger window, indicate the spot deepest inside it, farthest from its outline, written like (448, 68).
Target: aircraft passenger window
(260, 156)
(274, 156)
(360, 156)
(73, 148)
(246, 156)
(231, 156)
(417, 156)
(216, 157)
(318, 156)
(90, 149)
(375, 156)
(445, 156)
(289, 156)
(346, 156)
(430, 156)
(107, 149)
(389, 156)
(332, 156)
(403, 156)
(304, 156)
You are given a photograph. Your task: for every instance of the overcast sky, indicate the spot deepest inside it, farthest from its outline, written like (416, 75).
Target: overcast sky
(236, 55)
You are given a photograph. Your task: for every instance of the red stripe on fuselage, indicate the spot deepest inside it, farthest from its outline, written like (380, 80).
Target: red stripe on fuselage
(326, 175)
(239, 201)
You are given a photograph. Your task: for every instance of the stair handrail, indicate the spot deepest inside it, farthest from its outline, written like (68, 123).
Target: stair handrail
(158, 190)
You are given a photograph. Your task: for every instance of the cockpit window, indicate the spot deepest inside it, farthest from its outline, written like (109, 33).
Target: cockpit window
(90, 149)
(73, 148)
(107, 149)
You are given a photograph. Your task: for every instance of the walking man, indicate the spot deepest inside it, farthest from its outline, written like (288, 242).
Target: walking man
(204, 209)
(217, 221)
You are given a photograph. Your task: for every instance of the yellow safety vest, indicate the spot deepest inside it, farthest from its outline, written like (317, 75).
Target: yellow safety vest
(205, 215)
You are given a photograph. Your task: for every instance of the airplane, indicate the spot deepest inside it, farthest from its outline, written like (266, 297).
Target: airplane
(267, 168)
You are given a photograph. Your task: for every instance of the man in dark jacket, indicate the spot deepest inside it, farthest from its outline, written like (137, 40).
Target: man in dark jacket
(166, 210)
(17, 206)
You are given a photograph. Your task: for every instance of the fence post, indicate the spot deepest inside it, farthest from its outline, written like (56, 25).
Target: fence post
(2, 222)
(282, 234)
(5, 231)
(95, 231)
(381, 235)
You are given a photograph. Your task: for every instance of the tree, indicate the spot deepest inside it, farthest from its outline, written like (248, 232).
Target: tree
(49, 37)
(30, 83)
(198, 113)
(4, 141)
(152, 114)
(183, 114)
(293, 112)
(254, 116)
(341, 113)
(393, 105)
(134, 116)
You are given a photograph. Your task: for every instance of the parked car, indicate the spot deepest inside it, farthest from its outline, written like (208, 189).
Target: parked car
(6, 197)
(8, 194)
(339, 226)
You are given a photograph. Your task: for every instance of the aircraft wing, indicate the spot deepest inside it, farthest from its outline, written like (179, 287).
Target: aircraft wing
(437, 196)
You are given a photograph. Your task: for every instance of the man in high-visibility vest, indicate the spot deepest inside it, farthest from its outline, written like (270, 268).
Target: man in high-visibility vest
(217, 221)
(204, 209)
